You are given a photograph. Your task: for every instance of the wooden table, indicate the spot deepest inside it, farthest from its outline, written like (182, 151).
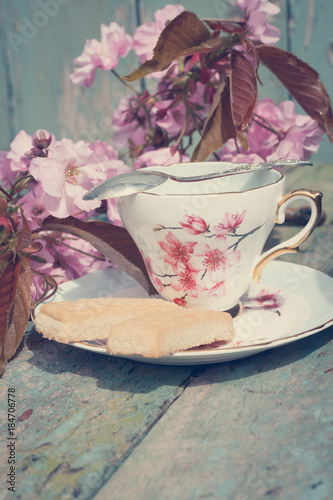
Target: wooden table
(92, 426)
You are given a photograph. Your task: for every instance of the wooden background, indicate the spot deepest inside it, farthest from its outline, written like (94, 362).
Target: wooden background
(40, 38)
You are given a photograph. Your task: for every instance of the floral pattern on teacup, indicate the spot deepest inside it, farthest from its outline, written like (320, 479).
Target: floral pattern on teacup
(194, 267)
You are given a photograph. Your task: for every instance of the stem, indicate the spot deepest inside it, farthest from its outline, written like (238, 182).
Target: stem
(242, 236)
(10, 198)
(267, 125)
(50, 284)
(165, 275)
(60, 242)
(127, 85)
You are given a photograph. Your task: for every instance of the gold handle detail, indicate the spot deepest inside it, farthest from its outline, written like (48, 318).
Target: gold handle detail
(292, 245)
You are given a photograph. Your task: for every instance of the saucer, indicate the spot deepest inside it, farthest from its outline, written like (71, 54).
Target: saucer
(290, 303)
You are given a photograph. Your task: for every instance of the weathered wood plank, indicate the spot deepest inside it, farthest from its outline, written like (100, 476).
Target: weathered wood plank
(89, 412)
(245, 430)
(311, 41)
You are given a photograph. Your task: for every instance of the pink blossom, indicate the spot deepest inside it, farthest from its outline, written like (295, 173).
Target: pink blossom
(78, 257)
(171, 114)
(50, 266)
(194, 225)
(105, 159)
(187, 282)
(178, 253)
(103, 151)
(214, 259)
(217, 290)
(129, 123)
(256, 13)
(285, 134)
(102, 54)
(112, 213)
(159, 157)
(146, 35)
(229, 224)
(33, 206)
(65, 176)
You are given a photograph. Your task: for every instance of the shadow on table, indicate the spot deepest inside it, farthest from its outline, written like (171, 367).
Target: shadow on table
(309, 354)
(121, 374)
(110, 372)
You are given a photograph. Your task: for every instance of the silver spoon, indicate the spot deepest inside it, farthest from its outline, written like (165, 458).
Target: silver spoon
(143, 180)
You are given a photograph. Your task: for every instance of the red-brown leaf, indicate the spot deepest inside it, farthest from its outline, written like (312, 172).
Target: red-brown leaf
(219, 125)
(15, 301)
(114, 242)
(226, 26)
(243, 89)
(182, 36)
(302, 82)
(24, 239)
(25, 415)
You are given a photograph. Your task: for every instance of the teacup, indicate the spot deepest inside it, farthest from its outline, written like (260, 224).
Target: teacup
(202, 241)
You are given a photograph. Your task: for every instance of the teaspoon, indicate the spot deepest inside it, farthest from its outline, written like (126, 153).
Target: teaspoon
(143, 180)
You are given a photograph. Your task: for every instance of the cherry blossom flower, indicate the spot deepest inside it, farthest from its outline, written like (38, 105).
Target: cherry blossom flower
(146, 35)
(65, 176)
(161, 156)
(186, 281)
(215, 259)
(256, 13)
(178, 253)
(102, 54)
(103, 151)
(283, 134)
(129, 122)
(78, 256)
(33, 207)
(194, 225)
(49, 266)
(229, 224)
(171, 114)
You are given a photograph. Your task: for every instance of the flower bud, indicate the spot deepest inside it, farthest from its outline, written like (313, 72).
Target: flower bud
(180, 302)
(42, 139)
(36, 152)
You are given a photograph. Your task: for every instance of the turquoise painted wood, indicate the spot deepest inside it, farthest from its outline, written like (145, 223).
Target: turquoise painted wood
(93, 426)
(40, 38)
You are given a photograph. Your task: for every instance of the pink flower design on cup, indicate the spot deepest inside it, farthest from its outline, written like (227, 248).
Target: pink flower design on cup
(178, 253)
(194, 225)
(186, 281)
(215, 259)
(229, 224)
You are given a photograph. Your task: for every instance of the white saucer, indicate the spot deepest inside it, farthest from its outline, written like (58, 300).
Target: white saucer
(291, 302)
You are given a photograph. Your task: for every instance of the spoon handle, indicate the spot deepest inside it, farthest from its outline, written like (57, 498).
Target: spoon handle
(252, 167)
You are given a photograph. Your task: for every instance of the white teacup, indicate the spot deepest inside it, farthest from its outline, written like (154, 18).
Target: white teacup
(202, 241)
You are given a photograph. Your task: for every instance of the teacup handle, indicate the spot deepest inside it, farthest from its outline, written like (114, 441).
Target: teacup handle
(291, 245)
